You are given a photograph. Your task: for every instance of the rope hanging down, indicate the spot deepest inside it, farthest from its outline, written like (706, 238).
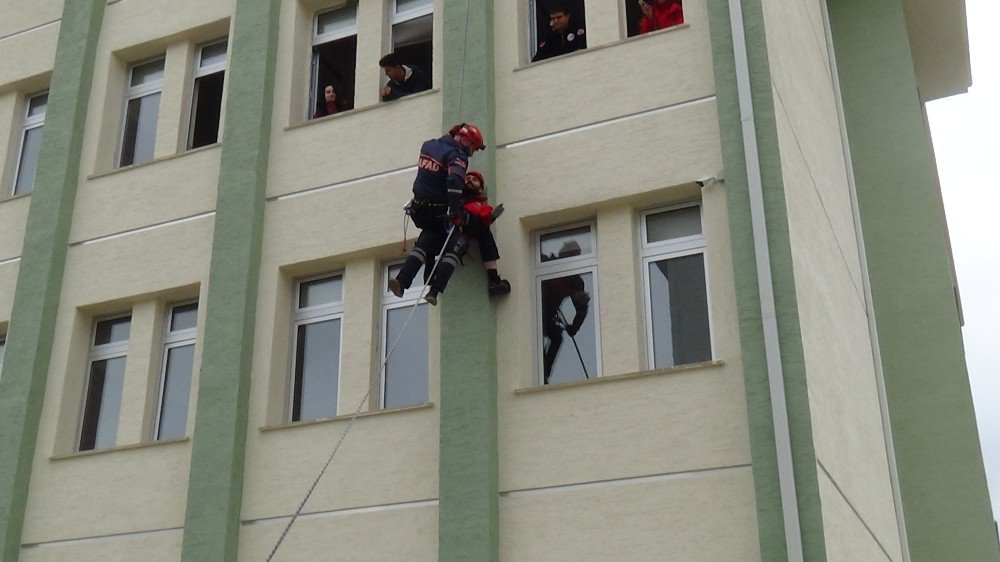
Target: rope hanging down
(357, 411)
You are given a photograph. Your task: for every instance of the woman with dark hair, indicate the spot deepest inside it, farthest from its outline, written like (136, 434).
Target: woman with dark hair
(329, 104)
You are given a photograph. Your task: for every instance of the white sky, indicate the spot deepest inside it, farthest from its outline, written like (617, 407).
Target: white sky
(966, 133)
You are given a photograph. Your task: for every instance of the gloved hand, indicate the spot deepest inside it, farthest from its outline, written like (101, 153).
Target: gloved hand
(572, 329)
(458, 217)
(497, 211)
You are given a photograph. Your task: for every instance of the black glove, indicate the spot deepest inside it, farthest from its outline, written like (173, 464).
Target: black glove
(497, 211)
(572, 329)
(458, 217)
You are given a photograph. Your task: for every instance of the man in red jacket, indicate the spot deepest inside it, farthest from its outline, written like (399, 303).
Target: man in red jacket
(481, 216)
(660, 14)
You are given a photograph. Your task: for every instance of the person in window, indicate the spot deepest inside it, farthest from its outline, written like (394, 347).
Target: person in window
(436, 207)
(554, 322)
(660, 14)
(404, 79)
(330, 105)
(481, 216)
(564, 35)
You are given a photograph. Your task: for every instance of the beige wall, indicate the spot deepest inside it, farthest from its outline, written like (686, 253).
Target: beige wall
(846, 420)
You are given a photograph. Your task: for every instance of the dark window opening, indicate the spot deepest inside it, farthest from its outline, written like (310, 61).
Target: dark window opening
(334, 65)
(412, 41)
(207, 111)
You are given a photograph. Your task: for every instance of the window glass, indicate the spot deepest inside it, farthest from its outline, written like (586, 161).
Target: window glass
(114, 330)
(566, 244)
(37, 105)
(139, 137)
(339, 21)
(3, 344)
(147, 74)
(403, 6)
(176, 392)
(28, 163)
(566, 296)
(184, 317)
(412, 40)
(213, 54)
(317, 370)
(676, 223)
(321, 291)
(679, 311)
(406, 372)
(103, 404)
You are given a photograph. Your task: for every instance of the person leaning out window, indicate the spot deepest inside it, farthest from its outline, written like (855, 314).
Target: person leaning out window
(404, 79)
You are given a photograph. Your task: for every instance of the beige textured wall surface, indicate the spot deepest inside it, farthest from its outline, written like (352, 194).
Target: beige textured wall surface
(164, 546)
(402, 532)
(703, 517)
(17, 20)
(134, 490)
(847, 537)
(847, 424)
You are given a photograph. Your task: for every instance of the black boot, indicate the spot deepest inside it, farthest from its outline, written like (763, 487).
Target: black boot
(496, 286)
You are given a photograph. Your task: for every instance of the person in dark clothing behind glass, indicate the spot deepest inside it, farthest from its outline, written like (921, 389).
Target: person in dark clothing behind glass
(404, 79)
(554, 292)
(565, 33)
(330, 104)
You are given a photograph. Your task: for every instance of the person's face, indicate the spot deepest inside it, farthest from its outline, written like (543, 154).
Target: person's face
(395, 73)
(559, 21)
(330, 94)
(474, 183)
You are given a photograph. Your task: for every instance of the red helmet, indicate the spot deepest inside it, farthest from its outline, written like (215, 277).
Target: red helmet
(470, 132)
(476, 174)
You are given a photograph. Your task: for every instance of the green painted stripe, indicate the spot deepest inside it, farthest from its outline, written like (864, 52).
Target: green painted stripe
(215, 490)
(469, 480)
(759, 406)
(43, 258)
(941, 476)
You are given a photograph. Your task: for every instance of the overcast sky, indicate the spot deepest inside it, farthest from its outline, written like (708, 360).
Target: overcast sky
(966, 133)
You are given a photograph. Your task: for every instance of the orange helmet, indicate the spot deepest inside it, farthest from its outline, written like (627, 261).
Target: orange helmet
(470, 132)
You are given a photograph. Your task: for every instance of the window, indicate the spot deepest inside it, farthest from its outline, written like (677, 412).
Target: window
(206, 99)
(673, 264)
(316, 324)
(31, 142)
(334, 59)
(566, 295)
(557, 27)
(3, 343)
(142, 107)
(412, 33)
(175, 372)
(644, 16)
(105, 380)
(404, 381)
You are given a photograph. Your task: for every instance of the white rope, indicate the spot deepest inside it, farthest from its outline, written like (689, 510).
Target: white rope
(357, 411)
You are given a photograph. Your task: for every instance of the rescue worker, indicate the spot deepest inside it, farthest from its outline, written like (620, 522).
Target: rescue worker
(437, 207)
(564, 36)
(481, 216)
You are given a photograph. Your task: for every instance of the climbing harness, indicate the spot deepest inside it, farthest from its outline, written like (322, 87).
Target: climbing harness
(361, 403)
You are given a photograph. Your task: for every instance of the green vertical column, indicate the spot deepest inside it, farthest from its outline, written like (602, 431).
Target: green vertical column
(43, 258)
(753, 312)
(941, 476)
(469, 513)
(215, 490)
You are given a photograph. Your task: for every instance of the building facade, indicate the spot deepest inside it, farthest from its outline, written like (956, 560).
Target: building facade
(727, 235)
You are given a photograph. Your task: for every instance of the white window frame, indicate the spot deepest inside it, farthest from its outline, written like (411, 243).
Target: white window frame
(96, 353)
(317, 40)
(650, 252)
(171, 340)
(30, 122)
(542, 271)
(135, 92)
(313, 315)
(200, 72)
(391, 302)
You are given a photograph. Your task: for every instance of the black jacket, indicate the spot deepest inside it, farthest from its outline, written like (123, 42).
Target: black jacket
(555, 44)
(441, 173)
(417, 82)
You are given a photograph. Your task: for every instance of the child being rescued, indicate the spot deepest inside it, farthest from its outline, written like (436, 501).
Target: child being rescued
(481, 216)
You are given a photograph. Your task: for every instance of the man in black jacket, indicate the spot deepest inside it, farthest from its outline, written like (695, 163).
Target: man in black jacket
(404, 79)
(565, 34)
